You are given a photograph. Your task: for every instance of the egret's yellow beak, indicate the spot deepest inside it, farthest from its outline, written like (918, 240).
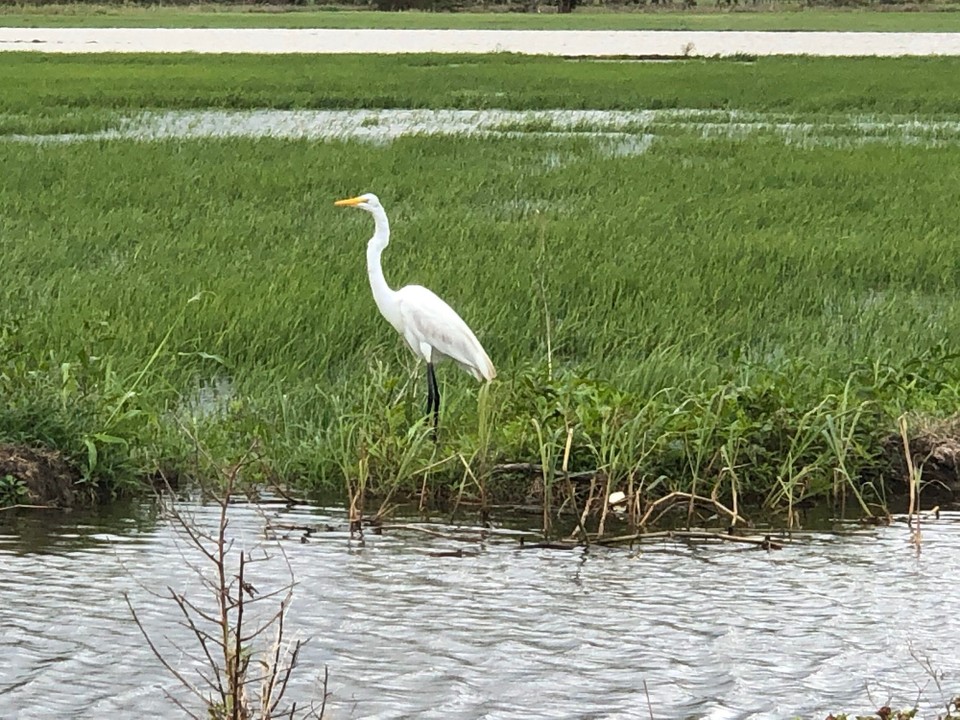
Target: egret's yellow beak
(349, 202)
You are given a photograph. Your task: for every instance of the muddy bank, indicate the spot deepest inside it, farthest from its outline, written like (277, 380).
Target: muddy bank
(43, 477)
(935, 451)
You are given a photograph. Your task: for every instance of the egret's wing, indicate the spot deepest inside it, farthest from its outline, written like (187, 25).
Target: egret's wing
(428, 319)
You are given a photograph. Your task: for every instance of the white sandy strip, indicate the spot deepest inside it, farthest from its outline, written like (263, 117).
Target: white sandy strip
(591, 43)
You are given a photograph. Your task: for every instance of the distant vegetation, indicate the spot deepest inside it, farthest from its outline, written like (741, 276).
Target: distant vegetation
(563, 6)
(849, 15)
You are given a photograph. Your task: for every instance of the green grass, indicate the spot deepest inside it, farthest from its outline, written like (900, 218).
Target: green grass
(739, 314)
(929, 18)
(44, 93)
(707, 297)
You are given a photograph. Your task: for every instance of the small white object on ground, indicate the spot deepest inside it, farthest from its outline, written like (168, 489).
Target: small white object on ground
(616, 498)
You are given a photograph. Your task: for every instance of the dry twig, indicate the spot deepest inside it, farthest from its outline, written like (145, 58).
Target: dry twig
(226, 634)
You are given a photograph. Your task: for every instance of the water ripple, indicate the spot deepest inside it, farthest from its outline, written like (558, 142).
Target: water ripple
(831, 622)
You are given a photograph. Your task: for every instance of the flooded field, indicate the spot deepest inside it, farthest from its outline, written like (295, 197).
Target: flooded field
(580, 43)
(632, 131)
(852, 619)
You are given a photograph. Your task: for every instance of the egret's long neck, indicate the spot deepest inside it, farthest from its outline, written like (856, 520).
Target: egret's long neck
(382, 294)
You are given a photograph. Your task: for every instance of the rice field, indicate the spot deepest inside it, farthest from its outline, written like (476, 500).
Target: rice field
(741, 301)
(35, 87)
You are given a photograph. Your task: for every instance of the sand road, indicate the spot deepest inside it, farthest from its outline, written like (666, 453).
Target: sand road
(591, 43)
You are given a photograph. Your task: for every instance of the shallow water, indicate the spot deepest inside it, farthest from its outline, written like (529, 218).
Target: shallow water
(619, 132)
(834, 621)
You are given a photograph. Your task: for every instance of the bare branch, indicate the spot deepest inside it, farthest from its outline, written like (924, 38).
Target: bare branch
(180, 705)
(229, 661)
(205, 615)
(237, 650)
(153, 648)
(667, 501)
(765, 542)
(202, 637)
(291, 664)
(326, 678)
(267, 691)
(535, 469)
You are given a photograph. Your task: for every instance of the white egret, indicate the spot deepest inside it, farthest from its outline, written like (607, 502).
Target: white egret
(431, 328)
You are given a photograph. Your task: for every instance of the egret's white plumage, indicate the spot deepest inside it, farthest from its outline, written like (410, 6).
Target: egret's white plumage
(431, 328)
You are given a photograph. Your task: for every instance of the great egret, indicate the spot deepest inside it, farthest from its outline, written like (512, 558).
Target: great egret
(432, 329)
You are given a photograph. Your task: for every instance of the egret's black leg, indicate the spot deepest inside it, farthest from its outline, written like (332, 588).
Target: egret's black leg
(433, 398)
(436, 398)
(431, 389)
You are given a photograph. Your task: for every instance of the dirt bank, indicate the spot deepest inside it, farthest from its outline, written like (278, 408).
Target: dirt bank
(48, 478)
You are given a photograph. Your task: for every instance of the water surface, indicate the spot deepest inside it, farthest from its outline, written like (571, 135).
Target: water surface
(834, 621)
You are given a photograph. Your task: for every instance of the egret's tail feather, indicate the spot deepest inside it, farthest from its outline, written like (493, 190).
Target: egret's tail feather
(487, 371)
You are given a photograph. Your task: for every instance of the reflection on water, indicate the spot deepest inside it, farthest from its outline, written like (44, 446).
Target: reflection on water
(834, 621)
(50, 531)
